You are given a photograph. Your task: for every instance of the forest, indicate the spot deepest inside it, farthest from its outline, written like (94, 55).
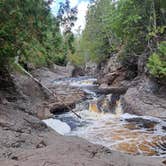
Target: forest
(30, 31)
(128, 28)
(92, 94)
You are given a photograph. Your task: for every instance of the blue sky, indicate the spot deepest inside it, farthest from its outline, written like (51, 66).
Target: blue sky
(55, 5)
(82, 6)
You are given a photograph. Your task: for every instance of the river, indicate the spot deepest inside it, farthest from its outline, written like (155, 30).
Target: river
(132, 134)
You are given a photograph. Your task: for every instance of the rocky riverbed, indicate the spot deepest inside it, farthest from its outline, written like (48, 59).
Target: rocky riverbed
(25, 140)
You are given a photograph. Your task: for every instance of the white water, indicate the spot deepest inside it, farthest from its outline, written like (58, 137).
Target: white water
(112, 130)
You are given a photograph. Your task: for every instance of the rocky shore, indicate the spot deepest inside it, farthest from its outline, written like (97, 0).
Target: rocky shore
(140, 94)
(25, 140)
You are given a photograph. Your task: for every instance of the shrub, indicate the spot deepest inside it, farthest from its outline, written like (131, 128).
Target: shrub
(157, 62)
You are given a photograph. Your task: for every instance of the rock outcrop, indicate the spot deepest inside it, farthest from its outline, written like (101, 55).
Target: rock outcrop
(91, 69)
(22, 105)
(140, 94)
(146, 98)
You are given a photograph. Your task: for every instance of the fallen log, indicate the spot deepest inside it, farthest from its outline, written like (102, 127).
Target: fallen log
(43, 86)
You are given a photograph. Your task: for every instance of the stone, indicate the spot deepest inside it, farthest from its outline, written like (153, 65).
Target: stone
(44, 113)
(70, 68)
(143, 99)
(111, 90)
(109, 78)
(112, 64)
(41, 144)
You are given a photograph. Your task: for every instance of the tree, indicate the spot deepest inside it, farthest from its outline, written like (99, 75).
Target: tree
(157, 62)
(128, 28)
(30, 31)
(67, 17)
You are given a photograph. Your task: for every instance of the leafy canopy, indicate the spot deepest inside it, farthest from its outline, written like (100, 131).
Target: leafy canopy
(128, 28)
(30, 31)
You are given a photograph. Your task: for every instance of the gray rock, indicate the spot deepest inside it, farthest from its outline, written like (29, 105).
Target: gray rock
(144, 99)
(91, 68)
(70, 68)
(112, 64)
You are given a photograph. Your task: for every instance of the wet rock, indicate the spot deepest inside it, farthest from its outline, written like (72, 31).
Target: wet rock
(143, 123)
(58, 108)
(164, 128)
(164, 162)
(111, 90)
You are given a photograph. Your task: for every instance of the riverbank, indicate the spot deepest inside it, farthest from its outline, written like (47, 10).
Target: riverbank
(140, 93)
(26, 140)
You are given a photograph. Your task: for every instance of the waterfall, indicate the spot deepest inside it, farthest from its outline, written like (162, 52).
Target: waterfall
(104, 122)
(118, 109)
(93, 107)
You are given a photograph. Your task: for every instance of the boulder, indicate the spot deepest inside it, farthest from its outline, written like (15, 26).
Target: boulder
(78, 71)
(59, 108)
(145, 99)
(109, 78)
(44, 112)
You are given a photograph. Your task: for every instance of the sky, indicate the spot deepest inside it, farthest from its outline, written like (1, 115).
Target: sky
(82, 6)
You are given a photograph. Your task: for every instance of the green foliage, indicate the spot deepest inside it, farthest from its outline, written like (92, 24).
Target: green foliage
(96, 35)
(157, 62)
(77, 58)
(128, 28)
(67, 17)
(30, 31)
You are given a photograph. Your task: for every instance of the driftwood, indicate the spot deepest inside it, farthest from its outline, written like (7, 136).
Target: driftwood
(44, 87)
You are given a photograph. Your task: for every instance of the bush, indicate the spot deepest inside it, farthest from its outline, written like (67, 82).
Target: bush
(76, 59)
(157, 62)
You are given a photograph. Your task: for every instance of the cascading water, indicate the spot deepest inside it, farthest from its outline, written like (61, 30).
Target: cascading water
(123, 132)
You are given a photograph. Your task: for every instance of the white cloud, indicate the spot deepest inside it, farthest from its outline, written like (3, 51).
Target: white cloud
(82, 10)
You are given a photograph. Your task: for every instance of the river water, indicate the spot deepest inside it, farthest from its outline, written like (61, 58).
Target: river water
(143, 135)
